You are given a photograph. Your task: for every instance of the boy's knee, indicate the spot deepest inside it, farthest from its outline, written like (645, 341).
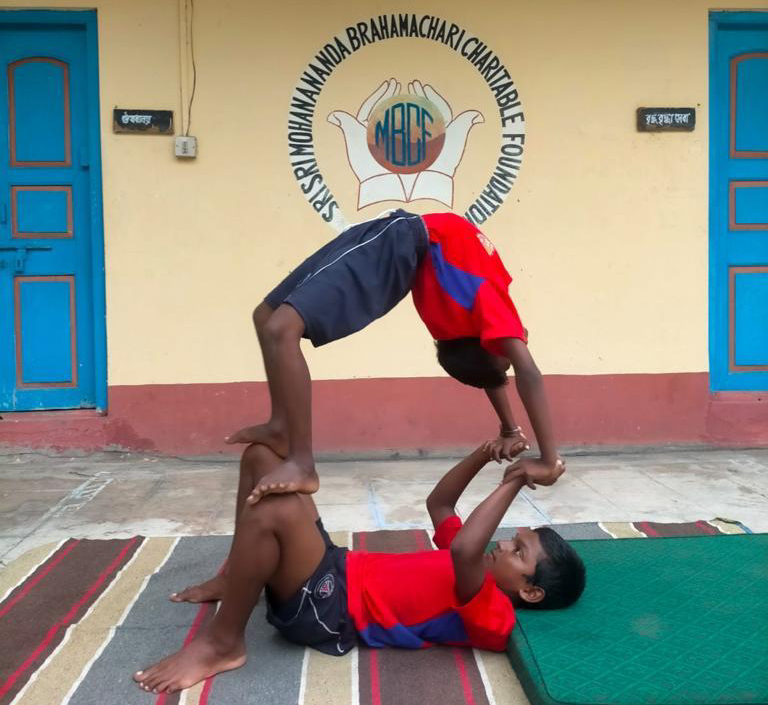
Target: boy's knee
(283, 325)
(254, 457)
(273, 511)
(261, 315)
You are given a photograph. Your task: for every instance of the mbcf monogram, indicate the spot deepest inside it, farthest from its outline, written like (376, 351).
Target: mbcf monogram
(405, 146)
(394, 132)
(405, 134)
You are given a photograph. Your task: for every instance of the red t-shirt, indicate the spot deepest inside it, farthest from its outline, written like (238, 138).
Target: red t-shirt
(460, 290)
(408, 600)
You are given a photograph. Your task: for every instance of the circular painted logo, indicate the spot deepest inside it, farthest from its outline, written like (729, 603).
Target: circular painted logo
(406, 134)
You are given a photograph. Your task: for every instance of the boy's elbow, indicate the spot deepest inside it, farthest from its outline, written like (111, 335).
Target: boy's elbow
(438, 510)
(459, 550)
(436, 503)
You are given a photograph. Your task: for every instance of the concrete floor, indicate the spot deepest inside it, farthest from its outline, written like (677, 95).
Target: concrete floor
(47, 498)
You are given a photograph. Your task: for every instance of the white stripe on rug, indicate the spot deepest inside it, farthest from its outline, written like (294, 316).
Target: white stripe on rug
(113, 629)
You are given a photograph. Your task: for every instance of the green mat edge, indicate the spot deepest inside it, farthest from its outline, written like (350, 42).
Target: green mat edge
(532, 683)
(531, 679)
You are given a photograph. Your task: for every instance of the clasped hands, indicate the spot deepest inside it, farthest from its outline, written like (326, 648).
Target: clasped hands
(507, 445)
(532, 471)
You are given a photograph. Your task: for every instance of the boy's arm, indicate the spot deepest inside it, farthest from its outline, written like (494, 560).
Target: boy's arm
(533, 473)
(530, 387)
(441, 502)
(500, 403)
(511, 440)
(469, 544)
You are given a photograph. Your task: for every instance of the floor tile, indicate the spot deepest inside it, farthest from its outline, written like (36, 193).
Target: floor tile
(348, 517)
(44, 498)
(347, 489)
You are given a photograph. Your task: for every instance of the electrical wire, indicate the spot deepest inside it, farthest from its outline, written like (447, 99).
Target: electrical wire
(191, 39)
(182, 59)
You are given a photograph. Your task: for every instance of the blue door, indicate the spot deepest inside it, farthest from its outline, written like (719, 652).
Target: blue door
(738, 344)
(51, 253)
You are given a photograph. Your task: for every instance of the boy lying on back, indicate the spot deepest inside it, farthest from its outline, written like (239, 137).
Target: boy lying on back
(328, 597)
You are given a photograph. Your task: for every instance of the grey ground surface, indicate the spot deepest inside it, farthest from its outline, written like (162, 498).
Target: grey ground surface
(45, 498)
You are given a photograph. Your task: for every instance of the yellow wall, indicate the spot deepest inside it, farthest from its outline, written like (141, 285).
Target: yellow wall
(605, 231)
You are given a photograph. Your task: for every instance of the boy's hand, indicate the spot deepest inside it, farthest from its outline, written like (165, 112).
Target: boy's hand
(535, 472)
(507, 447)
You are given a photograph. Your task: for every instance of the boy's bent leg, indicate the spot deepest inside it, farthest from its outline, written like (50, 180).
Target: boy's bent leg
(290, 375)
(276, 543)
(273, 433)
(256, 463)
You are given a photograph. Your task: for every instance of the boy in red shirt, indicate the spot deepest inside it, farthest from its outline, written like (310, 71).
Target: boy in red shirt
(459, 288)
(327, 597)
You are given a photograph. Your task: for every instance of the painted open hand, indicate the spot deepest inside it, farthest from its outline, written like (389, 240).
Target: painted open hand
(437, 181)
(377, 182)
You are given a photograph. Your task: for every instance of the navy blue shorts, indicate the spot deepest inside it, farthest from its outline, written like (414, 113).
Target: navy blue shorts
(356, 278)
(318, 615)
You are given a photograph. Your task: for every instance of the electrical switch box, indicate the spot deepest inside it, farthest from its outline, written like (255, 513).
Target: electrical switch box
(186, 147)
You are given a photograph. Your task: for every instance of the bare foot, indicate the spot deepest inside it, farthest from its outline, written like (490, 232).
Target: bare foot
(200, 659)
(268, 434)
(209, 591)
(290, 476)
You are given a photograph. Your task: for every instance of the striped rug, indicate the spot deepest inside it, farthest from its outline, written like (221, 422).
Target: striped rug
(78, 618)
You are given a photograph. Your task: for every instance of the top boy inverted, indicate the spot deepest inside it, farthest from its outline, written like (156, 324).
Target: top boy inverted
(459, 288)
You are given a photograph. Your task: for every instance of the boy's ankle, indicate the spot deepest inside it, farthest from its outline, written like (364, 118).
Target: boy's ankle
(224, 642)
(305, 461)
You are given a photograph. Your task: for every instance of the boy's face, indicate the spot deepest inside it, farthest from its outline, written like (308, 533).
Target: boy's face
(511, 561)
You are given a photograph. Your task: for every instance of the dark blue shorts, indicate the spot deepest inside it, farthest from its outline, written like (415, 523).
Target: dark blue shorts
(356, 278)
(318, 615)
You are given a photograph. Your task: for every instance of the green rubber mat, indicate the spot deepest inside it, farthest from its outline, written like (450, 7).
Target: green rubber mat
(674, 621)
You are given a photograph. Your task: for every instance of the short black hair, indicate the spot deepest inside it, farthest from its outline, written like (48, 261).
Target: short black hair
(560, 573)
(467, 361)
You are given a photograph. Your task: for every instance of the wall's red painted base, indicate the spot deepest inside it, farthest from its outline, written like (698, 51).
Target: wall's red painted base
(362, 415)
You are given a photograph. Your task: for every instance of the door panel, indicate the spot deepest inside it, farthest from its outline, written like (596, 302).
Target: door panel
(749, 104)
(38, 107)
(45, 331)
(41, 211)
(739, 201)
(48, 200)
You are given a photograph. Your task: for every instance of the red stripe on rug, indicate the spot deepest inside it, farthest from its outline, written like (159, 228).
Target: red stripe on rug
(29, 622)
(206, 691)
(646, 528)
(421, 537)
(359, 543)
(375, 678)
(707, 528)
(205, 614)
(44, 569)
(445, 675)
(207, 687)
(656, 529)
(67, 618)
(466, 686)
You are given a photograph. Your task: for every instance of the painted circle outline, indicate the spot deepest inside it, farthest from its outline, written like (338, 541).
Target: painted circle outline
(506, 160)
